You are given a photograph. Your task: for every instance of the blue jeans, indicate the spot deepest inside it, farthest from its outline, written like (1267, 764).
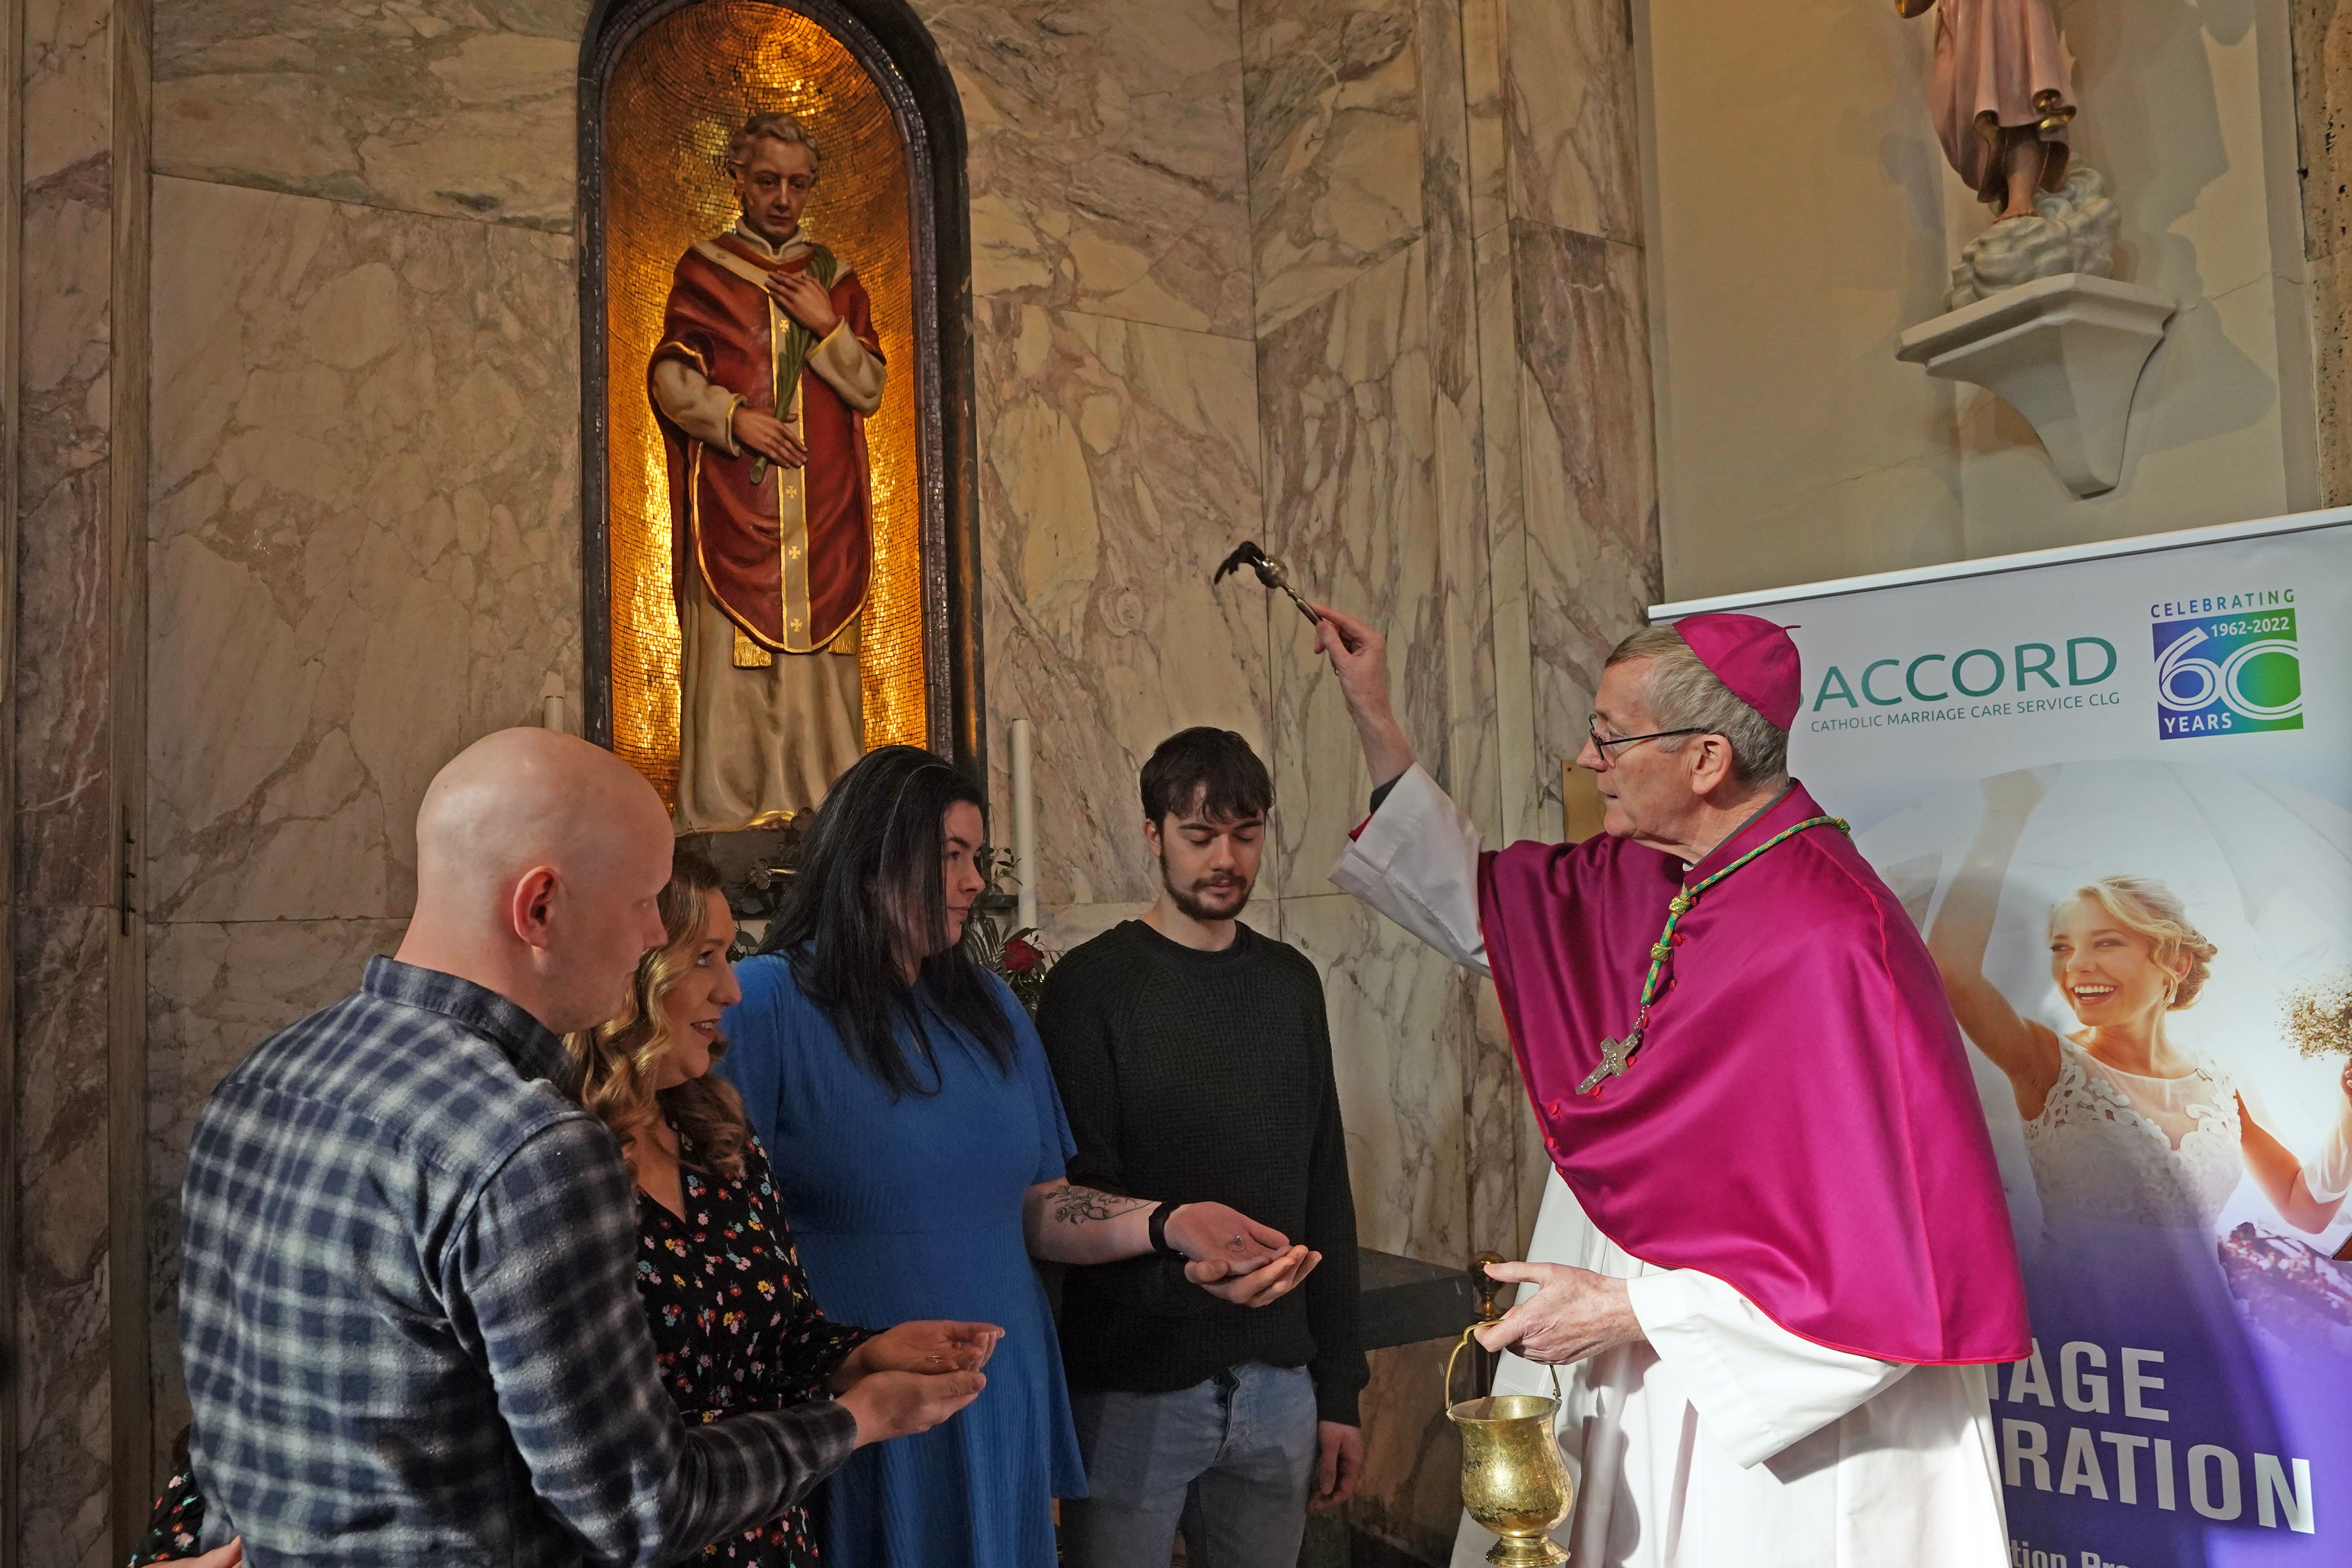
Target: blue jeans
(1230, 1461)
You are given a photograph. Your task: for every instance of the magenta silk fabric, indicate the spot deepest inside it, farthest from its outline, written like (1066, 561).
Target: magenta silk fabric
(1799, 1122)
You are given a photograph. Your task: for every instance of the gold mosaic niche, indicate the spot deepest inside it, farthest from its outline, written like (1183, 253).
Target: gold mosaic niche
(679, 93)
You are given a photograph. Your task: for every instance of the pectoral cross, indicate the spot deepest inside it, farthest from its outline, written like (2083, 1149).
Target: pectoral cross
(1614, 1057)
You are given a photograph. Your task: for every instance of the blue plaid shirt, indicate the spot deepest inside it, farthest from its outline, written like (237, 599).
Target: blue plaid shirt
(408, 1316)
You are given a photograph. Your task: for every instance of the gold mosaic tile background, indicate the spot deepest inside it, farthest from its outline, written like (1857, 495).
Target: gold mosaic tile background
(685, 85)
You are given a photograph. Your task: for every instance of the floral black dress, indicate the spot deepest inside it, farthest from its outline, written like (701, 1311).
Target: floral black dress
(734, 1328)
(735, 1324)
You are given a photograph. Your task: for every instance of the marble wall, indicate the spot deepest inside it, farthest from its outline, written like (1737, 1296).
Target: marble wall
(2322, 114)
(72, 190)
(1361, 280)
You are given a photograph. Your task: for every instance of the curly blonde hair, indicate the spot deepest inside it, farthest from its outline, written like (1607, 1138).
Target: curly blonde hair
(620, 1060)
(2147, 907)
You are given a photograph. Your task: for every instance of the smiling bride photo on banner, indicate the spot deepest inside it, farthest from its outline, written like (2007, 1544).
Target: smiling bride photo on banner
(2124, 1120)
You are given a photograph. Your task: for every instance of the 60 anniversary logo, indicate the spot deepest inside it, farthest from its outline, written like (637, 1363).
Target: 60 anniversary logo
(2234, 674)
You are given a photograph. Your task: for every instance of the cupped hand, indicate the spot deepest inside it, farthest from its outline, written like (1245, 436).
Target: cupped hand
(228, 1556)
(890, 1405)
(929, 1345)
(805, 299)
(770, 436)
(1262, 1286)
(1219, 1231)
(1573, 1314)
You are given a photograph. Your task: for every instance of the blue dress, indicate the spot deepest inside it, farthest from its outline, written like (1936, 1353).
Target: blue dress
(911, 1209)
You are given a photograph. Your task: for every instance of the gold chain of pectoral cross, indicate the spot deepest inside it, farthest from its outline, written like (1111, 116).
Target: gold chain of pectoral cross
(1617, 1055)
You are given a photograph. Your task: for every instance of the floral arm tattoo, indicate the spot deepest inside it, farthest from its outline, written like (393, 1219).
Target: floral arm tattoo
(1077, 1205)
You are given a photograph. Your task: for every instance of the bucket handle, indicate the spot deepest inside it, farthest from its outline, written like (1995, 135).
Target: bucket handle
(1463, 1343)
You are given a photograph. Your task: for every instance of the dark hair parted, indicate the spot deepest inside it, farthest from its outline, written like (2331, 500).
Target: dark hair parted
(1216, 766)
(873, 873)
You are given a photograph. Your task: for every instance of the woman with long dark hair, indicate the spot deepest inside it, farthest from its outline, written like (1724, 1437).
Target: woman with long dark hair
(919, 1145)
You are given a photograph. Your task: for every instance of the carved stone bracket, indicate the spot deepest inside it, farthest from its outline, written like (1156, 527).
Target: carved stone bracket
(2066, 352)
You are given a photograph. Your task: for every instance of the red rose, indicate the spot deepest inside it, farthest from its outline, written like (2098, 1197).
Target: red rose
(1020, 957)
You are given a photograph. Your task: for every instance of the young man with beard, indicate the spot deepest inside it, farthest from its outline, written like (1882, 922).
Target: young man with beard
(1195, 1064)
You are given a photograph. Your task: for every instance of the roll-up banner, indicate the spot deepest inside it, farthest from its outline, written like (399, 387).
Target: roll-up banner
(2113, 784)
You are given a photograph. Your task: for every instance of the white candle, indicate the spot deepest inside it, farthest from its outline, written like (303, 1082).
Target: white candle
(551, 702)
(1024, 828)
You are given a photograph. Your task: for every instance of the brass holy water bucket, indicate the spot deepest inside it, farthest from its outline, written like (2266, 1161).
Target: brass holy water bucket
(1514, 1480)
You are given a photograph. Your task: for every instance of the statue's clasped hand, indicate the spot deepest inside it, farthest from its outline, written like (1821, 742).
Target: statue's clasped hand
(805, 301)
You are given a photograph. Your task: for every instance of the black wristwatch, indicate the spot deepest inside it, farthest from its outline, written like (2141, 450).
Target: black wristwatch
(1158, 1227)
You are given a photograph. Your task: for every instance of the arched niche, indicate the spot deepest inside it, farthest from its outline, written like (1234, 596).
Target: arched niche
(662, 84)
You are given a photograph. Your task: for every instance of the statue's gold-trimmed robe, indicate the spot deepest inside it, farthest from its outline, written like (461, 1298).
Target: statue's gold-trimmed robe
(771, 565)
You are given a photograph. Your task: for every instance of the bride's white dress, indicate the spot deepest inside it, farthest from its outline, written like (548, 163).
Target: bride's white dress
(2119, 1149)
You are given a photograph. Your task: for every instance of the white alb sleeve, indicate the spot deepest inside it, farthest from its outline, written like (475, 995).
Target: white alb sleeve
(1758, 1387)
(1416, 861)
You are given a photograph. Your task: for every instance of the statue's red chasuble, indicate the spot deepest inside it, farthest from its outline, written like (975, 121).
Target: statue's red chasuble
(789, 554)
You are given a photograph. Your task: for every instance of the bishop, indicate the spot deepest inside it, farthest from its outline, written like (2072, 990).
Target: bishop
(1775, 1248)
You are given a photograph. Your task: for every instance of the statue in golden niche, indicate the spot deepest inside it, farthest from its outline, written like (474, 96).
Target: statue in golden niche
(767, 368)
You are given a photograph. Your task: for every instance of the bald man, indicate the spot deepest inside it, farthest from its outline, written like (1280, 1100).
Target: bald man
(406, 1306)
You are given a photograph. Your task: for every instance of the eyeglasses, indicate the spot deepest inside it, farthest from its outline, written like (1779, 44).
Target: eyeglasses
(1601, 743)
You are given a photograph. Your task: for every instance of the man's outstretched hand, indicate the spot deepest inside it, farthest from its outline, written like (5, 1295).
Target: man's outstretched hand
(1219, 1231)
(1360, 657)
(1573, 1314)
(1263, 1286)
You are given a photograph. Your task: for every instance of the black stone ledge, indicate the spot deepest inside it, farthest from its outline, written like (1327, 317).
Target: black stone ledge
(1405, 1300)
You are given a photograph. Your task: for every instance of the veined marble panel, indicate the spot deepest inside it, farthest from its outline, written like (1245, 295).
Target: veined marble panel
(2323, 83)
(1349, 422)
(66, 55)
(2331, 322)
(2323, 79)
(1498, 1154)
(1411, 1494)
(65, 841)
(1470, 743)
(215, 991)
(1588, 465)
(1107, 167)
(60, 1369)
(463, 107)
(1518, 778)
(1572, 123)
(1333, 98)
(364, 538)
(1400, 1016)
(1118, 463)
(1487, 183)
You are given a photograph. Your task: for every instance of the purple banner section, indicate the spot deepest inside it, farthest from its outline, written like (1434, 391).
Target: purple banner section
(2113, 789)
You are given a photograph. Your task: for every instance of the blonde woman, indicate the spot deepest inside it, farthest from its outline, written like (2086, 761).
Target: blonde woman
(733, 1321)
(2122, 1124)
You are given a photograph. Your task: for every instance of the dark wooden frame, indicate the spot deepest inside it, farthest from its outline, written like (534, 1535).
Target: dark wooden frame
(891, 43)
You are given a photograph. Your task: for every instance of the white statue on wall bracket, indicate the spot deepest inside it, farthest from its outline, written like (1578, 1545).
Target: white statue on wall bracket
(2031, 314)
